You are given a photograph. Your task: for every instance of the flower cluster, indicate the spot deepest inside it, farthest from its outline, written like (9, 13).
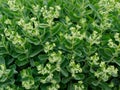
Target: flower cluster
(14, 37)
(94, 38)
(74, 68)
(53, 87)
(35, 9)
(55, 57)
(4, 73)
(94, 59)
(79, 86)
(104, 72)
(28, 80)
(75, 33)
(50, 13)
(12, 5)
(29, 28)
(48, 71)
(48, 47)
(114, 45)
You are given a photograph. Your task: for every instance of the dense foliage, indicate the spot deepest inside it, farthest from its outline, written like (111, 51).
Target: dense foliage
(59, 45)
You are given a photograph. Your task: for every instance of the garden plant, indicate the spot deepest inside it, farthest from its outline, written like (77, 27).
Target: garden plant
(59, 44)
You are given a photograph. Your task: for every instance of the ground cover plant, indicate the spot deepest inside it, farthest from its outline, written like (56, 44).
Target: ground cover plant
(59, 45)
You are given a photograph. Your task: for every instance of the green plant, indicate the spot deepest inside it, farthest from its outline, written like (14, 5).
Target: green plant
(59, 44)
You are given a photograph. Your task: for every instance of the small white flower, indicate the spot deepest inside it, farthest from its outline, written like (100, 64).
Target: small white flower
(7, 21)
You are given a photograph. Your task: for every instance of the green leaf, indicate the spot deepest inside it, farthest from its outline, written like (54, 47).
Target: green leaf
(35, 51)
(85, 50)
(106, 54)
(57, 77)
(79, 76)
(1, 44)
(66, 80)
(89, 79)
(43, 58)
(64, 72)
(44, 86)
(2, 60)
(70, 86)
(56, 29)
(20, 50)
(94, 9)
(95, 82)
(21, 63)
(117, 61)
(108, 51)
(64, 63)
(104, 86)
(22, 57)
(32, 63)
(14, 54)
(78, 53)
(9, 60)
(33, 41)
(3, 51)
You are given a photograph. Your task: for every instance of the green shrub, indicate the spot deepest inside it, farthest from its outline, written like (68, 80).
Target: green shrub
(59, 44)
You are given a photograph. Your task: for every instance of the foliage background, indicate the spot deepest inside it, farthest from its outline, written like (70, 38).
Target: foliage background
(59, 44)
